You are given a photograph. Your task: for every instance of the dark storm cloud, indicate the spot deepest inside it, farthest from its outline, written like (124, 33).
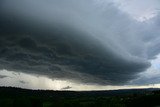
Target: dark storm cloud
(71, 39)
(3, 76)
(65, 88)
(23, 82)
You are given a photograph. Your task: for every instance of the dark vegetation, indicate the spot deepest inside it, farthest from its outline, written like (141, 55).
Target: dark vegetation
(16, 97)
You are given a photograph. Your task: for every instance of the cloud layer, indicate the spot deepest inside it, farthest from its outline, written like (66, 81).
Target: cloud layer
(79, 40)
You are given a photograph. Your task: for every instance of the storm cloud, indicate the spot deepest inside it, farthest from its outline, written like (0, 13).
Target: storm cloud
(3, 76)
(84, 40)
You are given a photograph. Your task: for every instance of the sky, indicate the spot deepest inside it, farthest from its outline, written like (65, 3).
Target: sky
(79, 45)
(140, 10)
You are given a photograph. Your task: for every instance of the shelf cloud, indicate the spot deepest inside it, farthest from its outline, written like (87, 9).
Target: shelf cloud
(83, 40)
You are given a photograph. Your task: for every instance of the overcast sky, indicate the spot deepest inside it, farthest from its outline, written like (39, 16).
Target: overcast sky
(112, 44)
(139, 9)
